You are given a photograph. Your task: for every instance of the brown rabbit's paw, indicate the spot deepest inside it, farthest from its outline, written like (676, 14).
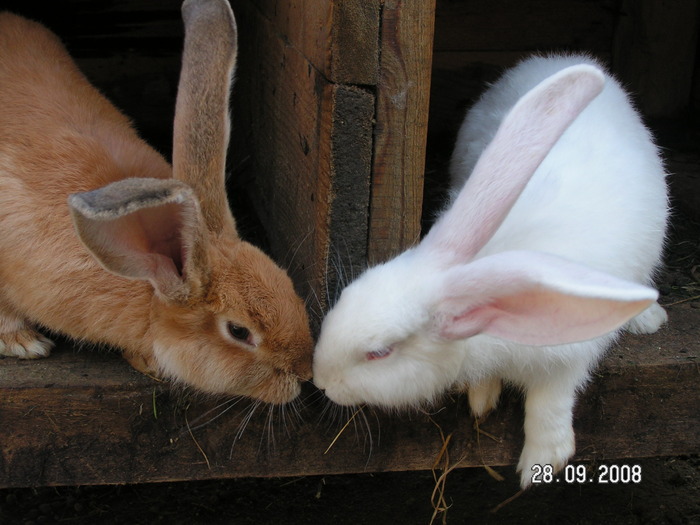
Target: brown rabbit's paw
(25, 344)
(143, 364)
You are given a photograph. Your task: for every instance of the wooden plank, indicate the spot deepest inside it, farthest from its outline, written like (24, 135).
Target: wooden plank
(86, 417)
(304, 25)
(302, 147)
(355, 42)
(351, 141)
(654, 53)
(403, 94)
(339, 38)
(279, 101)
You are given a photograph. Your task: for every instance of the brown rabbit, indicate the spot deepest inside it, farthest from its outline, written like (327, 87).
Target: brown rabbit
(156, 266)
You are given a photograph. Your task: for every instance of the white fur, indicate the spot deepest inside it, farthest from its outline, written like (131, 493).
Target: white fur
(18, 340)
(588, 226)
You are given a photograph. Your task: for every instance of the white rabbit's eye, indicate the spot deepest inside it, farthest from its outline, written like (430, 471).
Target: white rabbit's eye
(240, 333)
(379, 354)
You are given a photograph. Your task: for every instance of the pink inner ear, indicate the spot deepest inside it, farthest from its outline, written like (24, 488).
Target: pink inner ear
(159, 233)
(145, 244)
(468, 323)
(163, 267)
(542, 318)
(535, 299)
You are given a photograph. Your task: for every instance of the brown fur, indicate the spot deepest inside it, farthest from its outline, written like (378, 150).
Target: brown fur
(59, 136)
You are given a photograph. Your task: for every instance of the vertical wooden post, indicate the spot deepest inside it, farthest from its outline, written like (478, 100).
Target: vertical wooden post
(403, 93)
(303, 116)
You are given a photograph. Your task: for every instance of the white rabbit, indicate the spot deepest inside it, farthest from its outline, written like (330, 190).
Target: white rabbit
(544, 253)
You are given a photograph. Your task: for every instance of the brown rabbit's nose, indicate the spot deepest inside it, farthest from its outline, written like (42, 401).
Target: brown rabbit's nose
(304, 371)
(303, 368)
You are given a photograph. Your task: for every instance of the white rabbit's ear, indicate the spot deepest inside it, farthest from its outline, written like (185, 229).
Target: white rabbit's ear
(202, 123)
(534, 298)
(521, 143)
(149, 229)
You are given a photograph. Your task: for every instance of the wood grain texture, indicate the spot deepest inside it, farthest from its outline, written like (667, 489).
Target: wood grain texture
(355, 42)
(86, 417)
(339, 38)
(351, 141)
(403, 93)
(280, 101)
(304, 146)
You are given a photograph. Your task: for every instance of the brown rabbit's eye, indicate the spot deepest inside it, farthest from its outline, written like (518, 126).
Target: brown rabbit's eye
(239, 332)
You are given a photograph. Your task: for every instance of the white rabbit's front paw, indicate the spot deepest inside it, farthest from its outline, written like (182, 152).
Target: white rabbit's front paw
(25, 343)
(483, 397)
(553, 450)
(649, 321)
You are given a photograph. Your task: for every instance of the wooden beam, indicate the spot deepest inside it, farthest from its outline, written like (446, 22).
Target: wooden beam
(304, 144)
(81, 417)
(339, 38)
(403, 94)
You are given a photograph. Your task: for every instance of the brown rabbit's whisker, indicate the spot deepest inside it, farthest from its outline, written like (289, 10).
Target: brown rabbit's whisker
(340, 271)
(315, 397)
(301, 242)
(313, 304)
(291, 416)
(331, 413)
(244, 423)
(227, 405)
(284, 418)
(268, 434)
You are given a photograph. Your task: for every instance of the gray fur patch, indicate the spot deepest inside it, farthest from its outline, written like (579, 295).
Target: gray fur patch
(127, 196)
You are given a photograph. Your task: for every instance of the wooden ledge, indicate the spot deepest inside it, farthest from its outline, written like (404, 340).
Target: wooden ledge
(88, 418)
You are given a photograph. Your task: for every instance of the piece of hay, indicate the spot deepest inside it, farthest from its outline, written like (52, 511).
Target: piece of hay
(201, 450)
(343, 429)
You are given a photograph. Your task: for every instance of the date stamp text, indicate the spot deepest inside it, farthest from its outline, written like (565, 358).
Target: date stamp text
(544, 474)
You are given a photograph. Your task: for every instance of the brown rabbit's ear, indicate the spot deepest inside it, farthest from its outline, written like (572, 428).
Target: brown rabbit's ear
(202, 110)
(149, 229)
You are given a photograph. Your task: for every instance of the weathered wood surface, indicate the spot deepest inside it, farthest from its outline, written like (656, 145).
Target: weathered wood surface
(86, 417)
(340, 39)
(306, 140)
(403, 95)
(332, 121)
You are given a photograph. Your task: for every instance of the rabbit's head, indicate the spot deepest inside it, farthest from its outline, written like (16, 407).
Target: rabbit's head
(399, 334)
(224, 317)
